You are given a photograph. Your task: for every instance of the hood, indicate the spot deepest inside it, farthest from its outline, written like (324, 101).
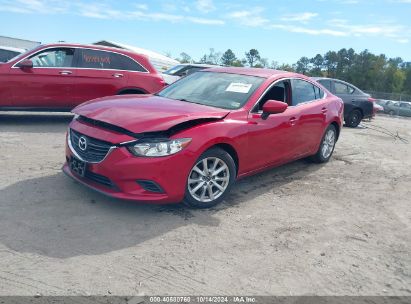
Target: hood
(146, 113)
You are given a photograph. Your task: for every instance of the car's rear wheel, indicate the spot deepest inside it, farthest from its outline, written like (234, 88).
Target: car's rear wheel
(327, 145)
(210, 179)
(354, 119)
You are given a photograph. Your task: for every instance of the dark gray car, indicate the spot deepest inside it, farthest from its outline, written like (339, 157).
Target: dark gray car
(357, 104)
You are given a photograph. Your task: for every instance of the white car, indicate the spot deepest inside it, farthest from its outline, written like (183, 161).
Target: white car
(7, 53)
(182, 70)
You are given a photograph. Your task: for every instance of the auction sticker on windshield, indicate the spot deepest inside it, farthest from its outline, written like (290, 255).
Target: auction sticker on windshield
(238, 87)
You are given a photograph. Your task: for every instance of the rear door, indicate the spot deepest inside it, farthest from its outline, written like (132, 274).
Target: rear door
(99, 74)
(49, 84)
(353, 99)
(308, 101)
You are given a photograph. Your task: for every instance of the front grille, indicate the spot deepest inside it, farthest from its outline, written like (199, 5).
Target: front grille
(94, 150)
(100, 179)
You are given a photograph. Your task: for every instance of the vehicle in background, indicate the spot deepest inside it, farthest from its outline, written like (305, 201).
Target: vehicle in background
(184, 69)
(377, 107)
(191, 141)
(357, 104)
(62, 76)
(160, 62)
(400, 108)
(7, 53)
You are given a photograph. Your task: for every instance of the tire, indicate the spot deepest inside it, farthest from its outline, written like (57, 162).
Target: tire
(327, 146)
(354, 119)
(201, 190)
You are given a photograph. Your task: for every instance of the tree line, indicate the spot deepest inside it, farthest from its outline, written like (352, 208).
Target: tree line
(365, 70)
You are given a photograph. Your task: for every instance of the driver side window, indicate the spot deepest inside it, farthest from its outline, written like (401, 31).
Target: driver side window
(277, 92)
(52, 58)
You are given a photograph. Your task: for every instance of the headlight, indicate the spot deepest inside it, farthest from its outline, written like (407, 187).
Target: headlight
(159, 147)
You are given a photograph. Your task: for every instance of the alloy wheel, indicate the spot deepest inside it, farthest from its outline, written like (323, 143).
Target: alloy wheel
(328, 144)
(208, 179)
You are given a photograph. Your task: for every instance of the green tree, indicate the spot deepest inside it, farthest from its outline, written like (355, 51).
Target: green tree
(185, 58)
(407, 81)
(303, 65)
(237, 63)
(274, 65)
(330, 63)
(317, 63)
(286, 67)
(228, 58)
(263, 64)
(253, 56)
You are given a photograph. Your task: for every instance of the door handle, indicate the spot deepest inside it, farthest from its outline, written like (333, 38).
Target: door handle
(292, 121)
(65, 72)
(117, 75)
(324, 110)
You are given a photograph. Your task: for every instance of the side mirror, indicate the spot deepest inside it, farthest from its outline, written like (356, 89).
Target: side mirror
(26, 64)
(273, 107)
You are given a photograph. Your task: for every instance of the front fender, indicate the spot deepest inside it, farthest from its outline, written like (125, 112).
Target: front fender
(230, 132)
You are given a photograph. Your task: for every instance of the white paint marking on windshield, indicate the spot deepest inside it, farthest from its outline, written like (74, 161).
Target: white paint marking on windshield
(238, 87)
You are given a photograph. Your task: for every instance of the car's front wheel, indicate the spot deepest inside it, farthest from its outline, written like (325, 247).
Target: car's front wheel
(210, 179)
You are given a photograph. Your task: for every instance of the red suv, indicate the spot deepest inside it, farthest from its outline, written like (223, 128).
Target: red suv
(62, 76)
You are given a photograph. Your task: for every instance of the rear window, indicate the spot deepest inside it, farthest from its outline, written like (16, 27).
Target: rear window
(95, 59)
(303, 91)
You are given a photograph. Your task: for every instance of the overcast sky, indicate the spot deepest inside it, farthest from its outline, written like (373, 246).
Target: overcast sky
(282, 31)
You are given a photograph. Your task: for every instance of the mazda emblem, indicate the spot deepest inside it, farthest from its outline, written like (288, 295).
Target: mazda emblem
(82, 143)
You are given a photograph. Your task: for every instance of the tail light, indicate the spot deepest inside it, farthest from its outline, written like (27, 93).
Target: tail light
(370, 99)
(160, 81)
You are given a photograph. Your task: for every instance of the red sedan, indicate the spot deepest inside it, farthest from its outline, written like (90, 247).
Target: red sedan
(192, 140)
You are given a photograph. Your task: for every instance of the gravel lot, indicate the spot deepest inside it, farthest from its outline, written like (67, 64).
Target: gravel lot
(343, 228)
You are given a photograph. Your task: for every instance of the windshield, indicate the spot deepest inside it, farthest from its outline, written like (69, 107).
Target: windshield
(174, 70)
(221, 90)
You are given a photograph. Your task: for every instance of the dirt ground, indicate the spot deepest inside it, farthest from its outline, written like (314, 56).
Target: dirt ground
(343, 228)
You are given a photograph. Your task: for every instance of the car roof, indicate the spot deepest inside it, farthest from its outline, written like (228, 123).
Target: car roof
(200, 65)
(257, 72)
(91, 46)
(335, 79)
